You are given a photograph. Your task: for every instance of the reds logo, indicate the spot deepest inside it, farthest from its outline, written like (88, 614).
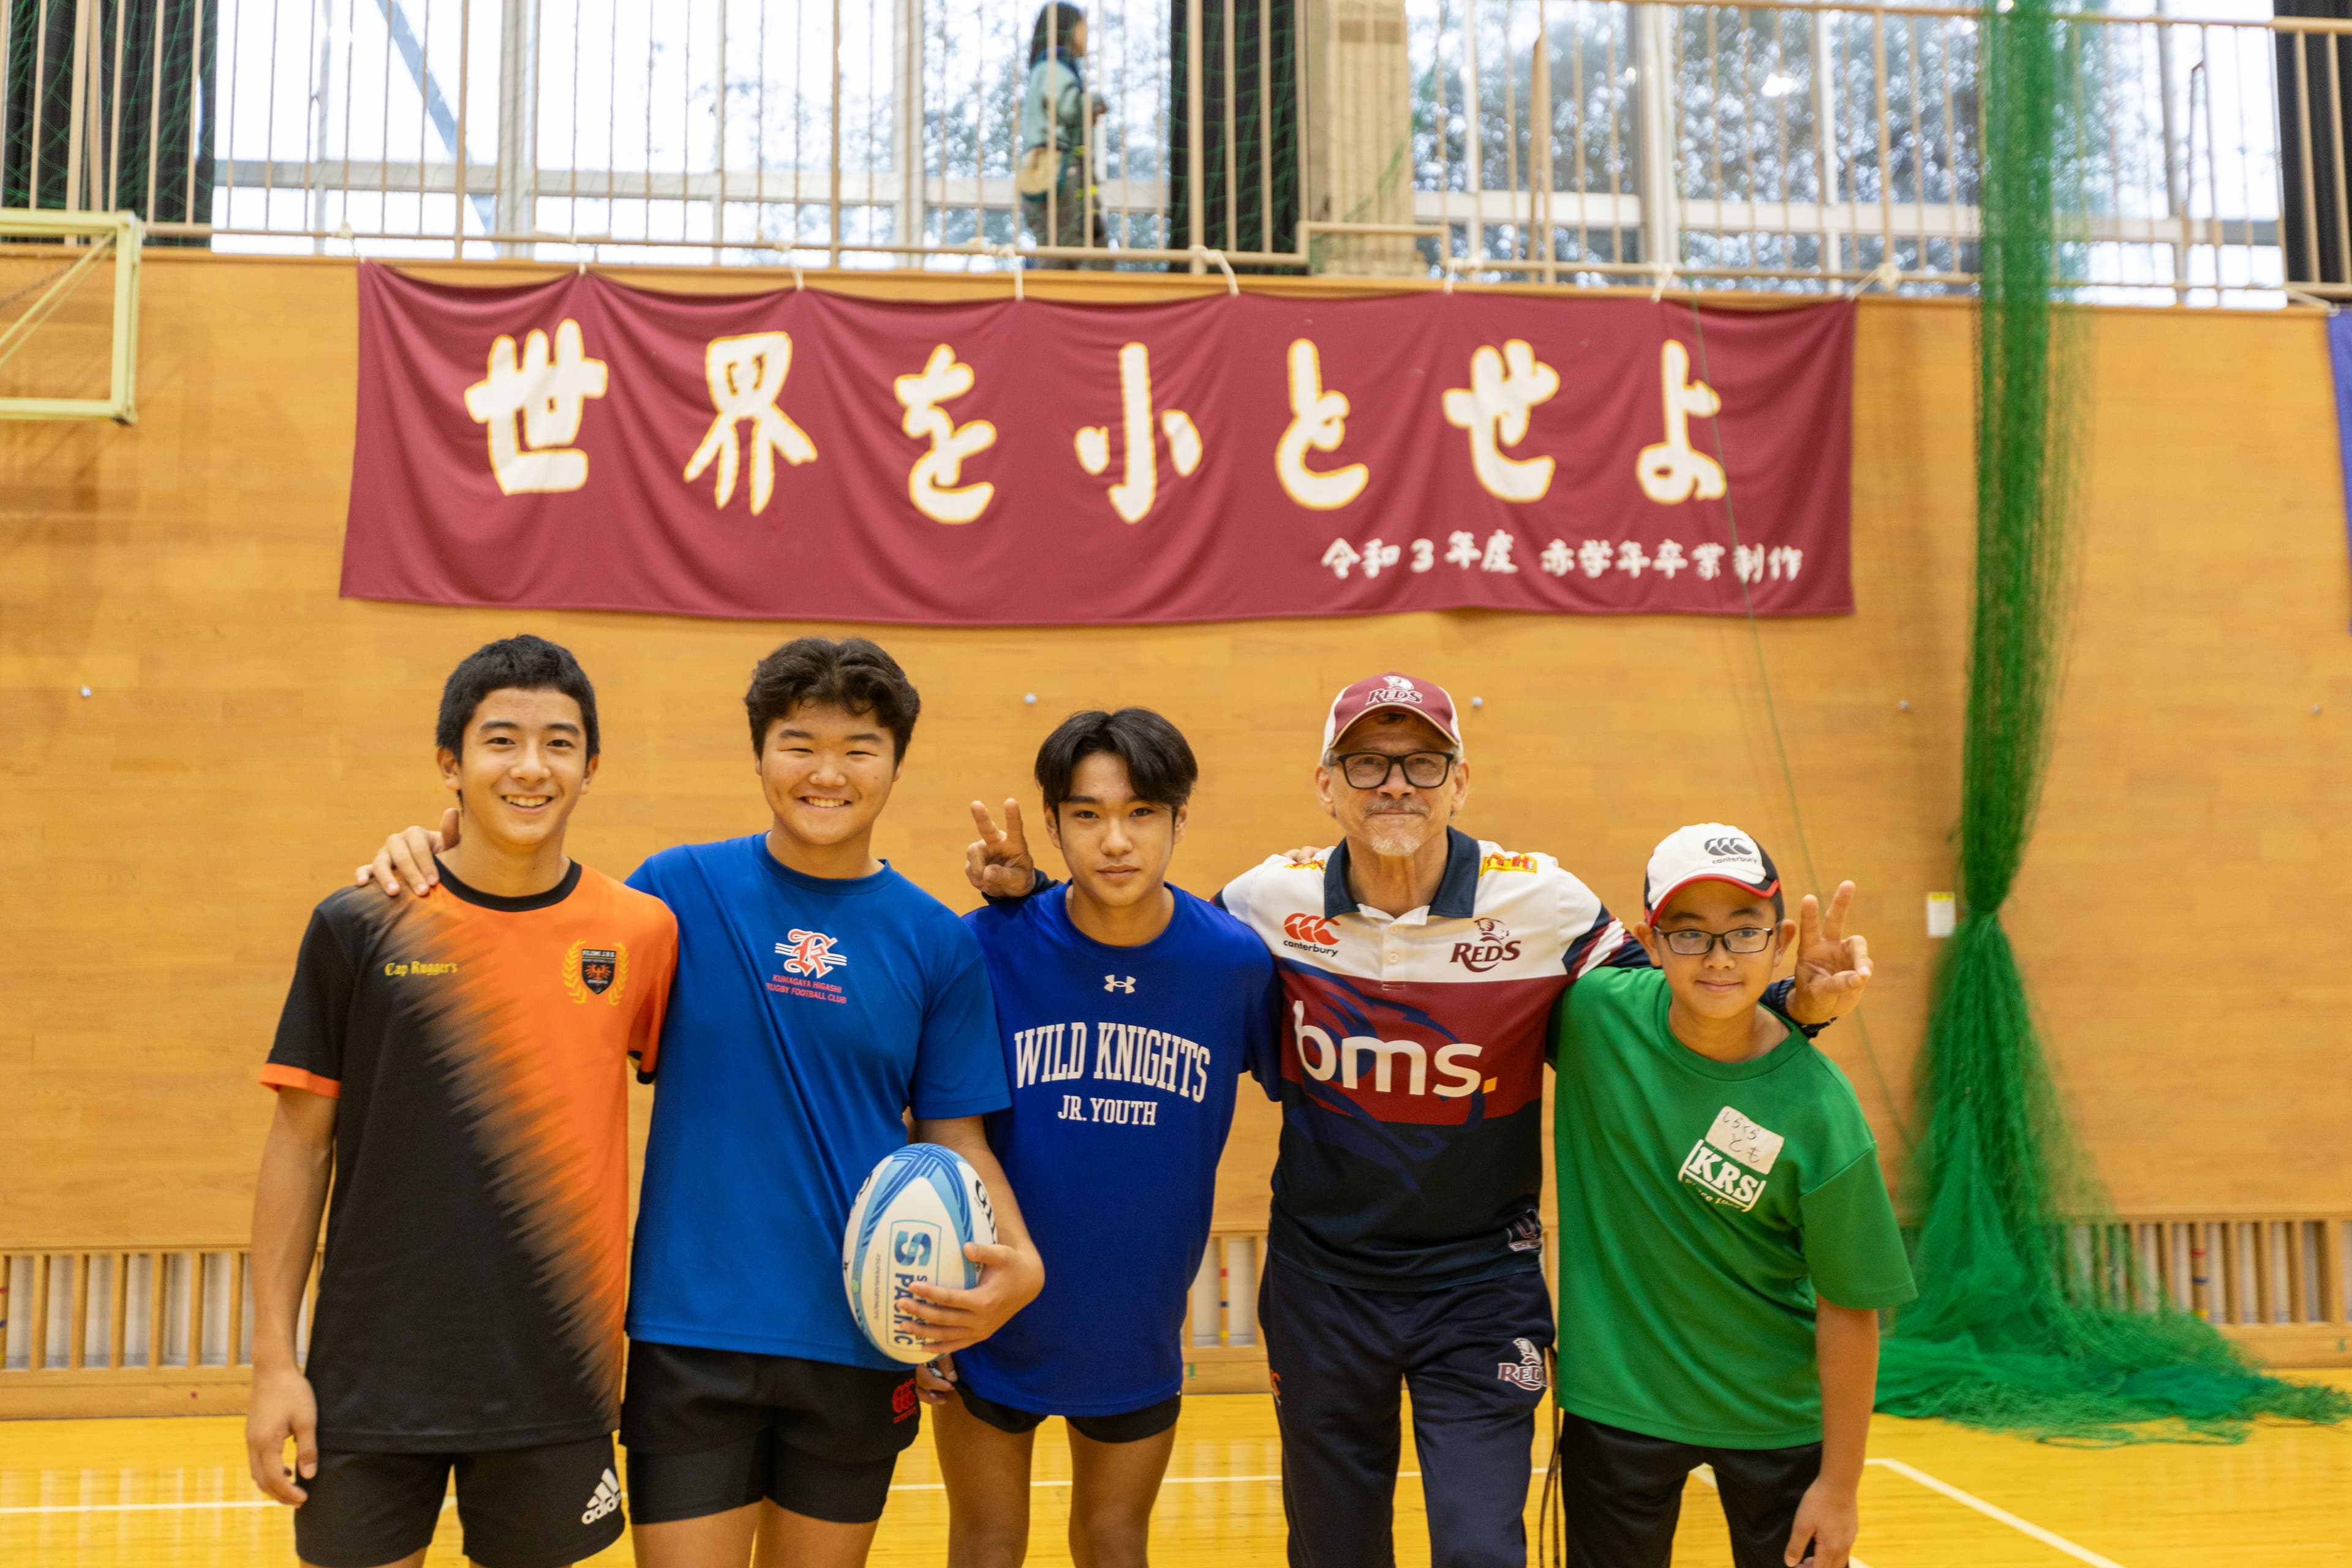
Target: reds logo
(1397, 690)
(1491, 946)
(1528, 1371)
(1315, 931)
(810, 953)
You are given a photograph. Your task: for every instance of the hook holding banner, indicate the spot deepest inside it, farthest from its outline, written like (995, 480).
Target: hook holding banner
(1887, 275)
(1010, 255)
(1202, 253)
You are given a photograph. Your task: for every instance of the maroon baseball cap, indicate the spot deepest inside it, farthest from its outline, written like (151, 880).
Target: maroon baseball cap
(1375, 692)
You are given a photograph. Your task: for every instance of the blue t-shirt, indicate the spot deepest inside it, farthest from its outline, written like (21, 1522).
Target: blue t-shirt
(1123, 1062)
(807, 1013)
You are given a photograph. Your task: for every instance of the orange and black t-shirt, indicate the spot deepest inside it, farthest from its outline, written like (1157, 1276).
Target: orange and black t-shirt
(476, 1245)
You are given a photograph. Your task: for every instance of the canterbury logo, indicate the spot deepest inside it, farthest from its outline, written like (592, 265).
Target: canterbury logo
(1315, 930)
(1733, 848)
(606, 1497)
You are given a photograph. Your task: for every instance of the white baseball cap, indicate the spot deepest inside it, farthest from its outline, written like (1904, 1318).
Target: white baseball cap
(1708, 852)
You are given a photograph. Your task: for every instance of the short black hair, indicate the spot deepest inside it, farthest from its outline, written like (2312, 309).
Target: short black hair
(523, 663)
(1159, 765)
(853, 674)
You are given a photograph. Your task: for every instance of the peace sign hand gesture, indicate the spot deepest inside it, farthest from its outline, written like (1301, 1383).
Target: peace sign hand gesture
(1832, 968)
(997, 863)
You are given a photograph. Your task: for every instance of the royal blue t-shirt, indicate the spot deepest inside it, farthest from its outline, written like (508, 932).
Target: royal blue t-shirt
(1123, 1062)
(806, 1015)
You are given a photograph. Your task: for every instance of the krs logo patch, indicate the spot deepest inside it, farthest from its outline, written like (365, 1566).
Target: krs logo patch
(1730, 1164)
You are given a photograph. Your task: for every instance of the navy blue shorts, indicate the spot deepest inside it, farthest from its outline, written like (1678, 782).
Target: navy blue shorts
(1127, 1426)
(1473, 1357)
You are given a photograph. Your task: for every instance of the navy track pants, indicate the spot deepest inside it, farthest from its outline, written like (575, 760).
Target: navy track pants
(1473, 1358)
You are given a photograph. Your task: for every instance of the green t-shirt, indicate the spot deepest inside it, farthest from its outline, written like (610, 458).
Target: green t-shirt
(1701, 1205)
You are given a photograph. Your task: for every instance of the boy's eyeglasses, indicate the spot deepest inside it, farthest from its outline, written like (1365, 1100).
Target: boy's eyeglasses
(1745, 939)
(1371, 770)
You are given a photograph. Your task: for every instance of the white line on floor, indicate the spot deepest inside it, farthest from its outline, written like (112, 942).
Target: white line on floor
(901, 1487)
(2047, 1536)
(157, 1507)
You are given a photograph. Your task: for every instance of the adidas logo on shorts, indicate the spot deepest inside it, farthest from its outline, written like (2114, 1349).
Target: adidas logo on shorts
(606, 1498)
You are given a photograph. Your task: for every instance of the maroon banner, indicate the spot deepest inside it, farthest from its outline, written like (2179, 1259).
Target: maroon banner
(582, 445)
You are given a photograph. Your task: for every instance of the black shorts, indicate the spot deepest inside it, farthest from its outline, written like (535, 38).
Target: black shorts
(521, 1508)
(1127, 1426)
(1621, 1495)
(708, 1431)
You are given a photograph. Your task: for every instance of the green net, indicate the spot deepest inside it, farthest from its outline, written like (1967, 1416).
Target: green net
(122, 121)
(2033, 1317)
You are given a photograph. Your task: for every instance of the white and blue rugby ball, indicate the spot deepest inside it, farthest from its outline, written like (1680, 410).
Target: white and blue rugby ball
(909, 1228)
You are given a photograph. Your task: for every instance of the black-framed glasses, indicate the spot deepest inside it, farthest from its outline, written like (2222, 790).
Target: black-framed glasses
(1371, 770)
(1743, 939)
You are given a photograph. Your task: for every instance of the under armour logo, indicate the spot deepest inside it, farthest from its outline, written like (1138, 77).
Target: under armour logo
(1118, 982)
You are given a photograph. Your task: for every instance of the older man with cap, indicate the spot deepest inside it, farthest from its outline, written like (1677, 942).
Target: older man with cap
(1419, 967)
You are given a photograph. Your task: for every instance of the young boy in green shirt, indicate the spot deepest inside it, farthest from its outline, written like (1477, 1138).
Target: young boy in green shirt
(1726, 1238)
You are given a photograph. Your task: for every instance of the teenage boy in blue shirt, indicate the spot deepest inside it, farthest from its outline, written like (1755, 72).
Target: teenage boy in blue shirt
(1128, 1009)
(820, 998)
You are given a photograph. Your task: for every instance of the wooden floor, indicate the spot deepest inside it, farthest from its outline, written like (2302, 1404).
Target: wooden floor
(127, 1494)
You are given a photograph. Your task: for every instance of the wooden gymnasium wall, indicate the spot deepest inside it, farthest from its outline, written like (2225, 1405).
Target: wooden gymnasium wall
(248, 736)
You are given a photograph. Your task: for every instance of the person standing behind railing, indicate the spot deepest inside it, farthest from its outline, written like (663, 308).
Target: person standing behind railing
(1055, 174)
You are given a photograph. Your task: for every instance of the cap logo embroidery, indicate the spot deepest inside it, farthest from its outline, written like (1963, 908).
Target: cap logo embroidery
(1731, 849)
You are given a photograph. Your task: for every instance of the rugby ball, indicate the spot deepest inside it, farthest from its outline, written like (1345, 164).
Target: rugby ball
(909, 1228)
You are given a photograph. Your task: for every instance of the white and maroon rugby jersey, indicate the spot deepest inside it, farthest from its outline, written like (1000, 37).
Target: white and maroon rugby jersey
(1412, 1055)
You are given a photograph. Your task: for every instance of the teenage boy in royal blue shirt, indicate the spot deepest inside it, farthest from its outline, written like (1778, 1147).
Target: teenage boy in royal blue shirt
(820, 998)
(1128, 1009)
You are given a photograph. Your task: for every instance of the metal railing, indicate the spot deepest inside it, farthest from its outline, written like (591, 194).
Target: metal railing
(171, 1308)
(1729, 143)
